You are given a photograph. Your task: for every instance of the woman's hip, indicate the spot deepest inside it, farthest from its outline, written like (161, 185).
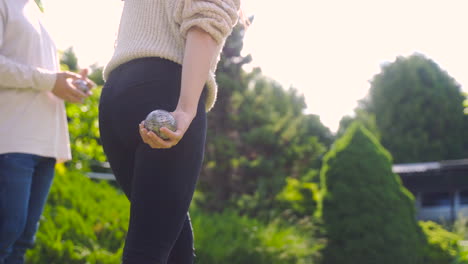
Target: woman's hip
(136, 88)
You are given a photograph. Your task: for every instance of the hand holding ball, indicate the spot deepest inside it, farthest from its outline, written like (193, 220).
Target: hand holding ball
(82, 85)
(158, 119)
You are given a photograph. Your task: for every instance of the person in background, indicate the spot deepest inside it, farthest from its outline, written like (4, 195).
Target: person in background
(165, 58)
(33, 123)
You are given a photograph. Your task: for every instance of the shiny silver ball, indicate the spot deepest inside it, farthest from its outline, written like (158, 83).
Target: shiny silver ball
(80, 84)
(160, 118)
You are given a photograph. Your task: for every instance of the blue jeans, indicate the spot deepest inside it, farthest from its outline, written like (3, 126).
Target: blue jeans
(25, 181)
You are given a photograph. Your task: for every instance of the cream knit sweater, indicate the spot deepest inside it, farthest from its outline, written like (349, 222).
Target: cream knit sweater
(158, 28)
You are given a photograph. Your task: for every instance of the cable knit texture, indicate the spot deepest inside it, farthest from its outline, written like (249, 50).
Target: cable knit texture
(158, 28)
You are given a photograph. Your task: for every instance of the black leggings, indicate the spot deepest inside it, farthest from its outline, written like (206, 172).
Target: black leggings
(158, 182)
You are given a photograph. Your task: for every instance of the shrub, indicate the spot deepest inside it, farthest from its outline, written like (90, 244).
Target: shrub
(300, 197)
(368, 216)
(86, 222)
(442, 246)
(83, 222)
(232, 239)
(83, 126)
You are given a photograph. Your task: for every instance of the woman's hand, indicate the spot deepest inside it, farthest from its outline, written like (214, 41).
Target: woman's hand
(89, 83)
(200, 51)
(183, 120)
(64, 90)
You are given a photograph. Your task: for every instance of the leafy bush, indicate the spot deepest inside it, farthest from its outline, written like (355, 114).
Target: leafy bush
(83, 125)
(86, 222)
(83, 222)
(442, 247)
(368, 216)
(300, 197)
(232, 239)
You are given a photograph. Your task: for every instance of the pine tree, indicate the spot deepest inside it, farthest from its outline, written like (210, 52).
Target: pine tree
(369, 217)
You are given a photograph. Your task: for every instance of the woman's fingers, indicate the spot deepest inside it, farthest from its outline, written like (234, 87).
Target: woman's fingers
(173, 136)
(157, 141)
(153, 140)
(145, 136)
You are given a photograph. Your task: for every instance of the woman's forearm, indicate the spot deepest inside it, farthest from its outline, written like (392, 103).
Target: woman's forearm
(22, 76)
(200, 51)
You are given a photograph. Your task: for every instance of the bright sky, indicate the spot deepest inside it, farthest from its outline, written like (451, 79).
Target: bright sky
(328, 50)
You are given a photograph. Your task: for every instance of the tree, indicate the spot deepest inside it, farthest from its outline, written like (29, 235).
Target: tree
(96, 74)
(69, 58)
(465, 103)
(418, 109)
(257, 136)
(368, 216)
(364, 118)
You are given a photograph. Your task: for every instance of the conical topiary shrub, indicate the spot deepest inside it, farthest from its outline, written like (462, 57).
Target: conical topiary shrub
(368, 216)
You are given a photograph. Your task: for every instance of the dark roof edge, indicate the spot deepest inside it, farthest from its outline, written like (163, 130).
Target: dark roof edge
(429, 166)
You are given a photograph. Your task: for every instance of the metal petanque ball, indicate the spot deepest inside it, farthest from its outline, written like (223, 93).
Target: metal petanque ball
(160, 118)
(80, 84)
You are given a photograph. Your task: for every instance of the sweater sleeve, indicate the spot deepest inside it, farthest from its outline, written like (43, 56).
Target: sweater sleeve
(17, 75)
(216, 17)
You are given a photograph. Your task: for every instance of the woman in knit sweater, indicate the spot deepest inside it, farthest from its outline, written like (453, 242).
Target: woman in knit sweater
(165, 58)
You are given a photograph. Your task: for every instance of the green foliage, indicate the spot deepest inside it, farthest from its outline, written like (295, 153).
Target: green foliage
(366, 119)
(232, 239)
(460, 229)
(462, 258)
(368, 216)
(459, 226)
(442, 246)
(96, 74)
(300, 197)
(83, 125)
(86, 222)
(465, 103)
(257, 136)
(265, 138)
(69, 58)
(419, 111)
(83, 222)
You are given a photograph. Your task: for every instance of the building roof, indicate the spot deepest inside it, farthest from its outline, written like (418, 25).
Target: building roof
(430, 166)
